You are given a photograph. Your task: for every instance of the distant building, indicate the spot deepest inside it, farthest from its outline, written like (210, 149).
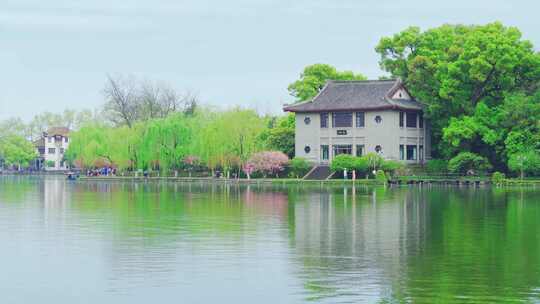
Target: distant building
(359, 117)
(51, 148)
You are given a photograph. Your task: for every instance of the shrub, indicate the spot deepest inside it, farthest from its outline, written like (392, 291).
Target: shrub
(466, 162)
(391, 166)
(437, 166)
(498, 178)
(349, 162)
(374, 161)
(342, 162)
(299, 167)
(381, 177)
(50, 164)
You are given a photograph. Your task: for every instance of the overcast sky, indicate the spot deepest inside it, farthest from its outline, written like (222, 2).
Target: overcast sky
(56, 54)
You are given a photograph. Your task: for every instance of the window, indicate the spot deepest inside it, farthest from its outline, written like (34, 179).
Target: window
(341, 132)
(411, 152)
(421, 120)
(325, 152)
(52, 150)
(49, 139)
(359, 150)
(401, 152)
(411, 120)
(378, 149)
(61, 150)
(421, 152)
(41, 150)
(65, 139)
(342, 120)
(342, 149)
(360, 119)
(307, 120)
(401, 118)
(324, 120)
(307, 149)
(378, 119)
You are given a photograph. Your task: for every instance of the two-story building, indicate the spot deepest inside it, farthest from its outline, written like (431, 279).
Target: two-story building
(359, 117)
(51, 148)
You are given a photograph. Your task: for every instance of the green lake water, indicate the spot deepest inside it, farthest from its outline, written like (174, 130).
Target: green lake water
(98, 242)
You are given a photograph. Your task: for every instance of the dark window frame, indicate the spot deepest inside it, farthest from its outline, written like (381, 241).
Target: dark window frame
(324, 120)
(401, 119)
(411, 123)
(361, 149)
(51, 151)
(421, 120)
(346, 148)
(411, 154)
(401, 152)
(342, 119)
(325, 152)
(360, 119)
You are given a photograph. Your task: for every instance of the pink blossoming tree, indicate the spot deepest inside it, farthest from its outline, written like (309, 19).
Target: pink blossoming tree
(268, 162)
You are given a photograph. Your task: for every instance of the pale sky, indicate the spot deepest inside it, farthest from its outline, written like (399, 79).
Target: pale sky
(55, 54)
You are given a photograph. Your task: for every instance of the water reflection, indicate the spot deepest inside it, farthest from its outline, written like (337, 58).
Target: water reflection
(142, 241)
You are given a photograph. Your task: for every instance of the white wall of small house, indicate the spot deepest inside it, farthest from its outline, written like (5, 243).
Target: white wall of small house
(387, 134)
(57, 156)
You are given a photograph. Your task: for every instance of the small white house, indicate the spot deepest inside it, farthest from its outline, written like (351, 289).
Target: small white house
(359, 117)
(51, 148)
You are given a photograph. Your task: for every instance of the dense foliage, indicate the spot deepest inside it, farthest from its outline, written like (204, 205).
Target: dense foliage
(526, 163)
(16, 151)
(468, 163)
(225, 140)
(364, 165)
(314, 77)
(299, 167)
(480, 85)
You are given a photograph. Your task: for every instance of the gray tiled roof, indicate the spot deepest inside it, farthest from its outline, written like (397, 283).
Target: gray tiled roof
(356, 95)
(63, 131)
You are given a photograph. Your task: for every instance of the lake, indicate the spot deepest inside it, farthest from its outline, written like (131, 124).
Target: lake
(124, 242)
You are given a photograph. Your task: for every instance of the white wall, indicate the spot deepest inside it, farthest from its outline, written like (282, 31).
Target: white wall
(58, 156)
(388, 134)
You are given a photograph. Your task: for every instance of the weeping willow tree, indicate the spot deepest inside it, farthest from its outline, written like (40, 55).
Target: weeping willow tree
(123, 145)
(87, 146)
(165, 142)
(226, 139)
(95, 145)
(220, 139)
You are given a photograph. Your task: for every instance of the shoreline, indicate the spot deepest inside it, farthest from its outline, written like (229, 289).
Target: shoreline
(402, 181)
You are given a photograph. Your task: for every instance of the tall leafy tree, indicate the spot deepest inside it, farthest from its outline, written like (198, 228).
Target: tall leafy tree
(463, 74)
(280, 136)
(16, 151)
(314, 77)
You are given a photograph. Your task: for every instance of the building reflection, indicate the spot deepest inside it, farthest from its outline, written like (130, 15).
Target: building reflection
(356, 239)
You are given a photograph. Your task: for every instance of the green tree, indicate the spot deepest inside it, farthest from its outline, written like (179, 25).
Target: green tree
(281, 136)
(165, 142)
(525, 163)
(454, 69)
(223, 137)
(16, 151)
(299, 167)
(466, 162)
(314, 77)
